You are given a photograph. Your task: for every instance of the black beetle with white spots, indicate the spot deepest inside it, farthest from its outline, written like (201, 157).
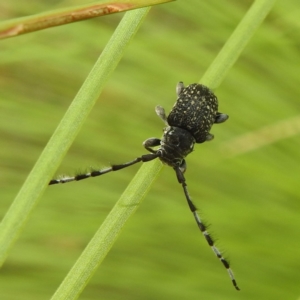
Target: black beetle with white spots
(189, 122)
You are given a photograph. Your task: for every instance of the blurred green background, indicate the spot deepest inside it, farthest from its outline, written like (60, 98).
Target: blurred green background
(245, 183)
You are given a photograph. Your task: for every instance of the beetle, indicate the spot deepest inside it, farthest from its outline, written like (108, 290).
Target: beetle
(188, 123)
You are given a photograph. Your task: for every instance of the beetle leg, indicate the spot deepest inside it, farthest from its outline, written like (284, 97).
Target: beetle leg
(152, 142)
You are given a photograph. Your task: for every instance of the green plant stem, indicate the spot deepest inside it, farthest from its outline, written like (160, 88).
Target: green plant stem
(236, 43)
(106, 235)
(49, 160)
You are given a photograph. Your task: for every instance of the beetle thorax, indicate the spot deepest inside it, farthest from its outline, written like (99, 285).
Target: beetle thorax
(176, 144)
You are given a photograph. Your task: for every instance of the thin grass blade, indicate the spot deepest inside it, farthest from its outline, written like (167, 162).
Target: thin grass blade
(237, 43)
(35, 184)
(107, 234)
(69, 15)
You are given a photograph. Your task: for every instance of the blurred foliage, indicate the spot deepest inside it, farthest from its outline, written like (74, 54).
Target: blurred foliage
(245, 182)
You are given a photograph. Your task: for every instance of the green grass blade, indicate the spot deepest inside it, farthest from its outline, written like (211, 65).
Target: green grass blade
(69, 15)
(237, 43)
(104, 238)
(37, 181)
